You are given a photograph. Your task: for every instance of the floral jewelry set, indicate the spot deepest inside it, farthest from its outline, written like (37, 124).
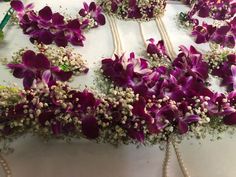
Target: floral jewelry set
(143, 101)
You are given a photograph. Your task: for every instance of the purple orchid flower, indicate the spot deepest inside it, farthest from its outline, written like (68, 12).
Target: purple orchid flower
(37, 67)
(203, 33)
(125, 71)
(94, 11)
(47, 27)
(191, 62)
(158, 49)
(227, 71)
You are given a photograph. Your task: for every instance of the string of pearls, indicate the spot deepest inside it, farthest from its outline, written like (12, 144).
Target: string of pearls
(161, 27)
(180, 159)
(166, 160)
(5, 166)
(118, 49)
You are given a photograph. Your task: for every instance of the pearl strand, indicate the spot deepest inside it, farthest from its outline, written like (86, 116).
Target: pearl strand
(142, 34)
(118, 39)
(166, 160)
(165, 37)
(5, 166)
(180, 159)
(113, 35)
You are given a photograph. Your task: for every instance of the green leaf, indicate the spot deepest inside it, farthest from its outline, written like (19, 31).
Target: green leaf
(64, 67)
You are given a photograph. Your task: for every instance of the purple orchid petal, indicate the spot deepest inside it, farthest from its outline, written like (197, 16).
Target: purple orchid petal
(83, 12)
(60, 39)
(192, 118)
(57, 19)
(60, 74)
(28, 58)
(86, 99)
(28, 79)
(92, 6)
(41, 62)
(90, 127)
(230, 41)
(46, 116)
(114, 6)
(182, 127)
(204, 12)
(46, 76)
(223, 30)
(18, 70)
(46, 37)
(56, 128)
(138, 107)
(233, 70)
(74, 24)
(101, 19)
(230, 119)
(137, 135)
(17, 5)
(46, 13)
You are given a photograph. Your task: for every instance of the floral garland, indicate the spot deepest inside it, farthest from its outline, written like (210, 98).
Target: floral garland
(140, 104)
(132, 9)
(47, 27)
(222, 32)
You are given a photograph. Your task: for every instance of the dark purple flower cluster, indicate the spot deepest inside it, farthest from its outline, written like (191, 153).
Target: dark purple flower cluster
(227, 71)
(180, 85)
(224, 35)
(133, 9)
(216, 9)
(37, 68)
(60, 110)
(47, 27)
(157, 49)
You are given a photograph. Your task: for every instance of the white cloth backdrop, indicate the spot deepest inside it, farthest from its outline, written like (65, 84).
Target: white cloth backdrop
(34, 158)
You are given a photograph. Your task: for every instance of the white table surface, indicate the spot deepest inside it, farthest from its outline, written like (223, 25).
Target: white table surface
(34, 158)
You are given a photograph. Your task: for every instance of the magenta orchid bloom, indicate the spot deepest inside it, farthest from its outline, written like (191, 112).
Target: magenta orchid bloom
(47, 27)
(158, 49)
(36, 67)
(227, 71)
(95, 12)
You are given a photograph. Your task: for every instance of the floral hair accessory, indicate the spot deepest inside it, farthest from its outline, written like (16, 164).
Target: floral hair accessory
(49, 64)
(47, 27)
(132, 9)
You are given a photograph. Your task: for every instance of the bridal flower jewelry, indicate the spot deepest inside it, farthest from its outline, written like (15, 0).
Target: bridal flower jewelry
(140, 103)
(49, 27)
